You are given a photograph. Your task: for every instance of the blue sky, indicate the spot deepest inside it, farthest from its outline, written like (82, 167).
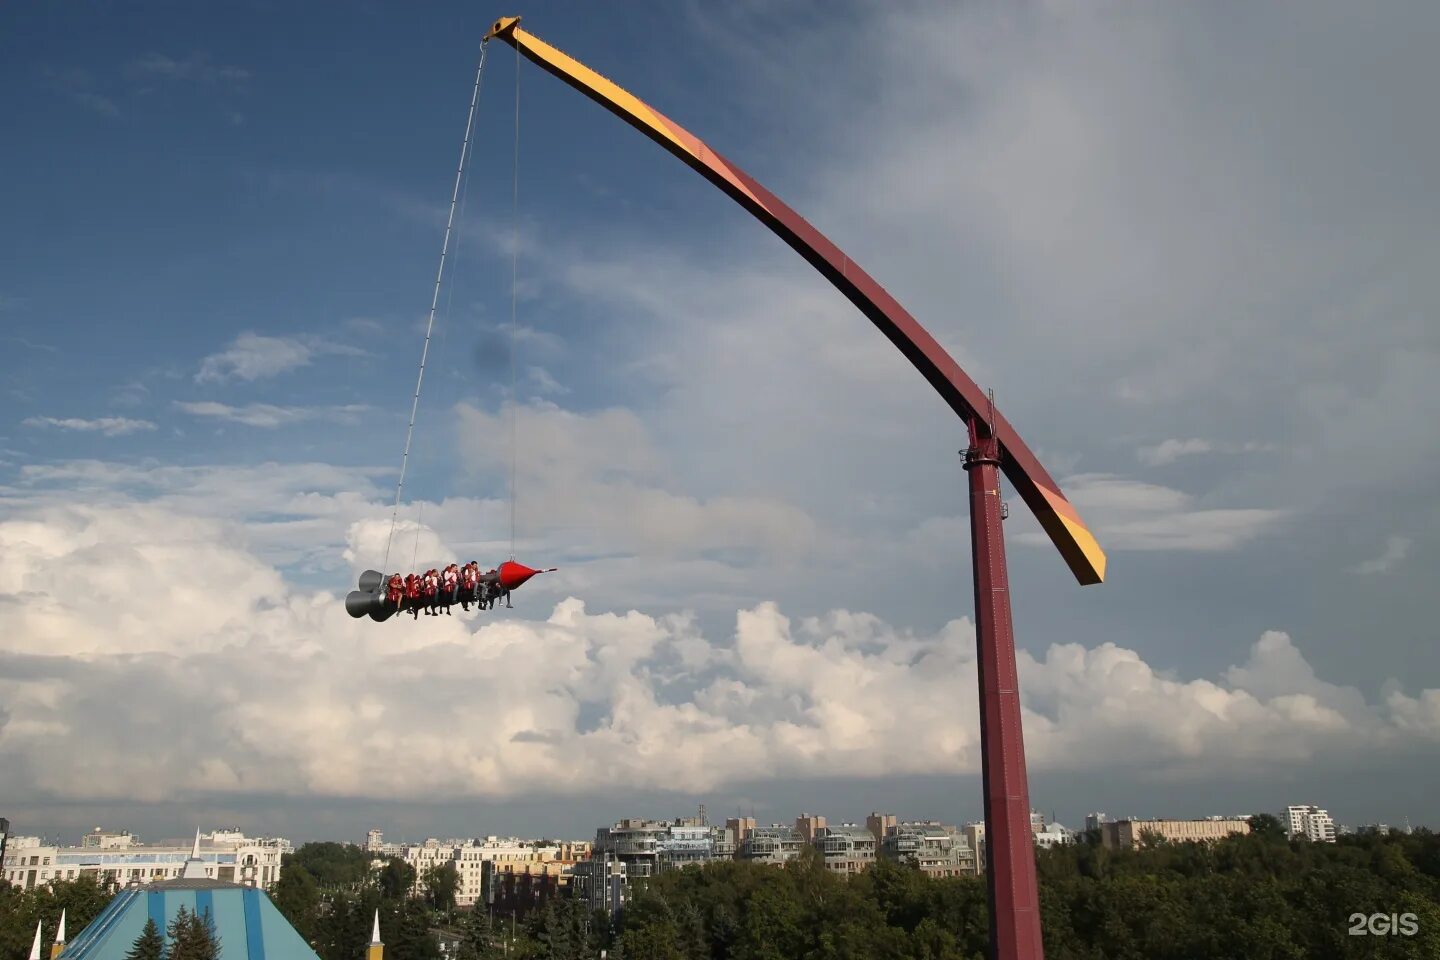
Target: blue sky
(1187, 250)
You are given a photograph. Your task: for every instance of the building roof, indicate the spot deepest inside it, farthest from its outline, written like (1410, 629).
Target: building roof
(247, 924)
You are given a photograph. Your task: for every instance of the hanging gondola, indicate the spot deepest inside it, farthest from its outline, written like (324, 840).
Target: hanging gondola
(436, 592)
(431, 594)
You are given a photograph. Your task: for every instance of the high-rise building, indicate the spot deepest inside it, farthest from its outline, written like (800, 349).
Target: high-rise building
(974, 834)
(648, 847)
(879, 824)
(1093, 821)
(741, 827)
(809, 826)
(1309, 822)
(375, 841)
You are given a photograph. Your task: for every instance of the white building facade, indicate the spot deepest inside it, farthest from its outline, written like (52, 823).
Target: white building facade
(471, 859)
(118, 860)
(1309, 822)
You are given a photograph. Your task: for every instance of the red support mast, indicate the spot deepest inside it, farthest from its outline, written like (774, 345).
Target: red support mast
(1010, 884)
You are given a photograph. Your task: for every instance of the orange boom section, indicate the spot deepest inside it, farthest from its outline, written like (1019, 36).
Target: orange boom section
(1040, 492)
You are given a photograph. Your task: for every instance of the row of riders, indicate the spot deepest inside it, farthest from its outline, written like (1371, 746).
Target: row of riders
(437, 590)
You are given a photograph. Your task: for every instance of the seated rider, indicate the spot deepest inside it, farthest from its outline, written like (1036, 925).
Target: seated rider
(395, 590)
(467, 585)
(412, 594)
(432, 592)
(449, 587)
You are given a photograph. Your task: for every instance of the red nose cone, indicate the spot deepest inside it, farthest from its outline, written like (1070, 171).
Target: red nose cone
(513, 575)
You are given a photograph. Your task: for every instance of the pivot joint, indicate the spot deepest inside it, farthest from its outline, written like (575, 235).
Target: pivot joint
(502, 27)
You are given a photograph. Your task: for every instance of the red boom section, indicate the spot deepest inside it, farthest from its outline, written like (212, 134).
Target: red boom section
(1035, 486)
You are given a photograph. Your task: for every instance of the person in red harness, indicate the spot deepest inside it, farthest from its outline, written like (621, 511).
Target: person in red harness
(467, 584)
(395, 590)
(449, 587)
(412, 594)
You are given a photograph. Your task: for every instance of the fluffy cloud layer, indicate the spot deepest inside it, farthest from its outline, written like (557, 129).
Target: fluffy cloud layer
(147, 655)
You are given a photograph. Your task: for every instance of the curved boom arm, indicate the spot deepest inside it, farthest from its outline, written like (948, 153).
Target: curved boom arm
(1042, 494)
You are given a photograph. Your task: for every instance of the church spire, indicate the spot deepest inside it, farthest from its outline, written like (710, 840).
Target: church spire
(377, 949)
(59, 946)
(35, 947)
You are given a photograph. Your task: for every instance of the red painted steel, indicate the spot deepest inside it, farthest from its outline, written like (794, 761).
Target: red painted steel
(1010, 850)
(513, 575)
(1023, 469)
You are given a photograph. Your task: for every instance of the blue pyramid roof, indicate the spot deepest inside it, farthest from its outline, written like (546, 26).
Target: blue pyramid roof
(247, 924)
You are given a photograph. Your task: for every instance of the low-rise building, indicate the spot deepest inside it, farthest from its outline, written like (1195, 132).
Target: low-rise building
(775, 844)
(1128, 834)
(117, 860)
(473, 858)
(937, 849)
(848, 848)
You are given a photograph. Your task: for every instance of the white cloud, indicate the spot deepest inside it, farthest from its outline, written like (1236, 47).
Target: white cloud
(1396, 550)
(269, 415)
(109, 426)
(1132, 515)
(1168, 451)
(254, 357)
(183, 638)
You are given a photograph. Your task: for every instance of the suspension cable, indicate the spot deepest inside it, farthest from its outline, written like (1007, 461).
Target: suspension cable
(434, 301)
(514, 286)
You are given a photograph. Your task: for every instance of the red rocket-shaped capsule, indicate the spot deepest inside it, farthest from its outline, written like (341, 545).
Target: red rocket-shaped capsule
(512, 575)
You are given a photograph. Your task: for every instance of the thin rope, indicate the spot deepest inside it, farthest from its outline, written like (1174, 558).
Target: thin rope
(419, 525)
(514, 286)
(434, 302)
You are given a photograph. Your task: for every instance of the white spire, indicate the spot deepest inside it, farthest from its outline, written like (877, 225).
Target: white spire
(194, 868)
(35, 947)
(60, 934)
(375, 936)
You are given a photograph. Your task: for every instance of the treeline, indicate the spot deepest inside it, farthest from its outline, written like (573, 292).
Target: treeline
(81, 899)
(1258, 897)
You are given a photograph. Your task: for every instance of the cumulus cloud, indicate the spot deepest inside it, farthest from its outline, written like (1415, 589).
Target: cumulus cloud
(183, 638)
(269, 416)
(1396, 550)
(252, 356)
(109, 426)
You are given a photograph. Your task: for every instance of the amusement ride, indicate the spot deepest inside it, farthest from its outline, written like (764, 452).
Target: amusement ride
(994, 448)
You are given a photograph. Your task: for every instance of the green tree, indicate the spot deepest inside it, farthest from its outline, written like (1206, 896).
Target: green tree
(1267, 826)
(297, 897)
(441, 884)
(149, 945)
(192, 937)
(397, 879)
